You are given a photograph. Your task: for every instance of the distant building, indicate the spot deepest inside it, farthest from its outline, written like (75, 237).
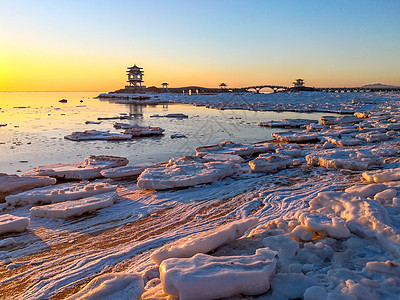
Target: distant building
(135, 78)
(222, 85)
(165, 85)
(298, 83)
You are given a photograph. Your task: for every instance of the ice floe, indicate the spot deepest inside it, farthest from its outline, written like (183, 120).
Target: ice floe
(203, 242)
(138, 131)
(243, 150)
(296, 137)
(89, 135)
(88, 169)
(270, 163)
(74, 208)
(184, 172)
(112, 286)
(59, 193)
(207, 277)
(127, 171)
(294, 123)
(11, 223)
(351, 159)
(386, 175)
(12, 184)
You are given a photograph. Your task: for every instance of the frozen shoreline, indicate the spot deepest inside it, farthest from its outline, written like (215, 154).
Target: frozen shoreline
(122, 237)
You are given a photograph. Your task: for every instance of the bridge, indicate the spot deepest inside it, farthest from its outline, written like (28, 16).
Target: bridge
(257, 88)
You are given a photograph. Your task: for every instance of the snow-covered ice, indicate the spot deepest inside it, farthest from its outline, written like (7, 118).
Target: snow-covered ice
(74, 208)
(127, 171)
(296, 137)
(12, 184)
(11, 223)
(232, 148)
(138, 131)
(351, 159)
(88, 169)
(113, 286)
(204, 242)
(59, 193)
(184, 172)
(270, 164)
(295, 123)
(207, 277)
(89, 135)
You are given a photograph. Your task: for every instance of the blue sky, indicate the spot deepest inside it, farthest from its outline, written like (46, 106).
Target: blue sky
(89, 43)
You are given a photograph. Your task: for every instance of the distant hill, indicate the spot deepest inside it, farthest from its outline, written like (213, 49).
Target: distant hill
(379, 86)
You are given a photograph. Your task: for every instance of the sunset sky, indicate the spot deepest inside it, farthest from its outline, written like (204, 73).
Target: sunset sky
(87, 45)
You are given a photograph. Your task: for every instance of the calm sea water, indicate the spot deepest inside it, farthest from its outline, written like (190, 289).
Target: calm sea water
(37, 123)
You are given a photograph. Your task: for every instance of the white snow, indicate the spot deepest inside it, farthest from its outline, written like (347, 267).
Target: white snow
(185, 172)
(88, 169)
(74, 208)
(89, 135)
(121, 286)
(59, 193)
(127, 171)
(203, 242)
(10, 223)
(207, 277)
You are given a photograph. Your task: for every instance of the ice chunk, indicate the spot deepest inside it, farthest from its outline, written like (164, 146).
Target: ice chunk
(302, 234)
(88, 169)
(366, 218)
(372, 137)
(345, 142)
(289, 151)
(382, 175)
(12, 184)
(223, 157)
(112, 286)
(68, 209)
(350, 159)
(296, 137)
(185, 172)
(315, 293)
(386, 196)
(138, 131)
(333, 227)
(205, 241)
(388, 267)
(207, 277)
(331, 120)
(296, 123)
(270, 164)
(59, 194)
(89, 135)
(366, 191)
(10, 223)
(291, 285)
(226, 148)
(358, 290)
(127, 171)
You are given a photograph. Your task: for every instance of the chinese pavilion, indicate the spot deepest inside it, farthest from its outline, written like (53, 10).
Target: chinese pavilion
(135, 77)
